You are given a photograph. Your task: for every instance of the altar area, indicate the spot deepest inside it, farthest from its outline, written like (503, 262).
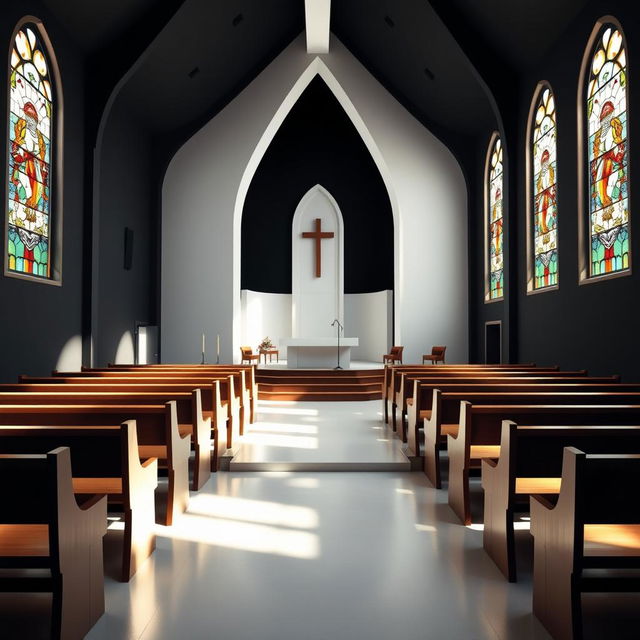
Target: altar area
(303, 325)
(318, 353)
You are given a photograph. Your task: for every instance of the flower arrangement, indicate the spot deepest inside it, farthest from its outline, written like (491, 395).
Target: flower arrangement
(266, 344)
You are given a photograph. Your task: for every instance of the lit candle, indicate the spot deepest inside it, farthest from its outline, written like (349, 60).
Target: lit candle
(203, 343)
(218, 345)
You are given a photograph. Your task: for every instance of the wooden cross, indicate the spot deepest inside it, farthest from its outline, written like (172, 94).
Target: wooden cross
(318, 235)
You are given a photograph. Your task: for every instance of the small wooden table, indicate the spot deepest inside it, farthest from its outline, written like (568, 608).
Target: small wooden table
(270, 352)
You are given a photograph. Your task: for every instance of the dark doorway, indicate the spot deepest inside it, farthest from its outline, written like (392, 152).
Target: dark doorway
(493, 342)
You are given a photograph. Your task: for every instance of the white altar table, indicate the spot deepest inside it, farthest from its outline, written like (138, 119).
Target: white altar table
(318, 353)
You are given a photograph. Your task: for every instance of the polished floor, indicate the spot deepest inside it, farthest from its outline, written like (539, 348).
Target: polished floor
(308, 555)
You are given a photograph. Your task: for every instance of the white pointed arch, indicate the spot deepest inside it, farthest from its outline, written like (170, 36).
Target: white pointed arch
(315, 302)
(316, 68)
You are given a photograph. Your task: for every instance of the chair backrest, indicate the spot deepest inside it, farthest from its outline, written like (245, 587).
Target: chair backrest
(397, 351)
(246, 351)
(438, 351)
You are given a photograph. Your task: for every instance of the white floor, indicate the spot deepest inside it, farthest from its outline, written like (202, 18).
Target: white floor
(323, 556)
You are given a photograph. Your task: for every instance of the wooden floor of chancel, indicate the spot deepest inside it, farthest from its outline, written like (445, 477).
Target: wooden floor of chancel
(311, 555)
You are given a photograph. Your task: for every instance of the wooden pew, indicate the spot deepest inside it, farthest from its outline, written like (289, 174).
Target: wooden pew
(198, 370)
(159, 437)
(188, 407)
(480, 430)
(390, 371)
(42, 526)
(445, 413)
(234, 395)
(220, 402)
(595, 524)
(420, 405)
(531, 463)
(104, 460)
(399, 395)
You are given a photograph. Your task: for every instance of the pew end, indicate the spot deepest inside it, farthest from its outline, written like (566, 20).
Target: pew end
(44, 526)
(595, 524)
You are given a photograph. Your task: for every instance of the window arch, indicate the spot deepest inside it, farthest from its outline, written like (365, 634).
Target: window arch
(542, 206)
(31, 141)
(605, 125)
(494, 235)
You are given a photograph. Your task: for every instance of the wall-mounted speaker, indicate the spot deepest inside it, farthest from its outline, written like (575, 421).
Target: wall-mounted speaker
(128, 248)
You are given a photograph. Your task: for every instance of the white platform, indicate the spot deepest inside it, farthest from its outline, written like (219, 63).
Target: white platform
(319, 436)
(318, 353)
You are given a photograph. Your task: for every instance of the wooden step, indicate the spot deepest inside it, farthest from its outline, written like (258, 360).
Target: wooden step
(368, 387)
(320, 385)
(318, 380)
(319, 396)
(355, 373)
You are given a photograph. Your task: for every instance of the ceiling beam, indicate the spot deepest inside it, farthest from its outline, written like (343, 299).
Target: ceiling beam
(317, 15)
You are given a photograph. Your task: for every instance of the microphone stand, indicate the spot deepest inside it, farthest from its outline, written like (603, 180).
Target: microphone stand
(333, 324)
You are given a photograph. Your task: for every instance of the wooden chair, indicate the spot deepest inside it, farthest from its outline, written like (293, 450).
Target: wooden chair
(395, 355)
(249, 356)
(436, 355)
(594, 524)
(42, 526)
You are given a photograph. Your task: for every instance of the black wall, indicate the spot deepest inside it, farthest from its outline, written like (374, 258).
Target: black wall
(317, 144)
(124, 296)
(39, 319)
(593, 326)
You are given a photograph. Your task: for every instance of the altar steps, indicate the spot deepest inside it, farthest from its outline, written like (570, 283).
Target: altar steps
(319, 385)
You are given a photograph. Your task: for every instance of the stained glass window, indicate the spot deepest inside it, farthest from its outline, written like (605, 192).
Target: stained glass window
(30, 127)
(608, 154)
(545, 207)
(495, 239)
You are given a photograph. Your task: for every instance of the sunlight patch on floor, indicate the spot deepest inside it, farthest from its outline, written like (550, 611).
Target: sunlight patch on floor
(257, 511)
(275, 408)
(281, 427)
(245, 536)
(275, 440)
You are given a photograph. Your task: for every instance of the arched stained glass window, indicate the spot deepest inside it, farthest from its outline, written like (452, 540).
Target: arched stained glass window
(607, 153)
(544, 190)
(31, 112)
(495, 220)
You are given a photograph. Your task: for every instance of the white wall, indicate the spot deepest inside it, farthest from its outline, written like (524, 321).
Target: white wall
(368, 317)
(265, 315)
(207, 181)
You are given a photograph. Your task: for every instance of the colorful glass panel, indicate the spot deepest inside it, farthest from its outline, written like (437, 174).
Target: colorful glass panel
(30, 127)
(496, 272)
(545, 206)
(608, 154)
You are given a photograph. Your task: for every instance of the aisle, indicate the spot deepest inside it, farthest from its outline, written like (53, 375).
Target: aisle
(305, 555)
(319, 436)
(318, 556)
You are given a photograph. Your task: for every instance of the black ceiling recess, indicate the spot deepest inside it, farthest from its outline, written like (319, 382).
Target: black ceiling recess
(317, 144)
